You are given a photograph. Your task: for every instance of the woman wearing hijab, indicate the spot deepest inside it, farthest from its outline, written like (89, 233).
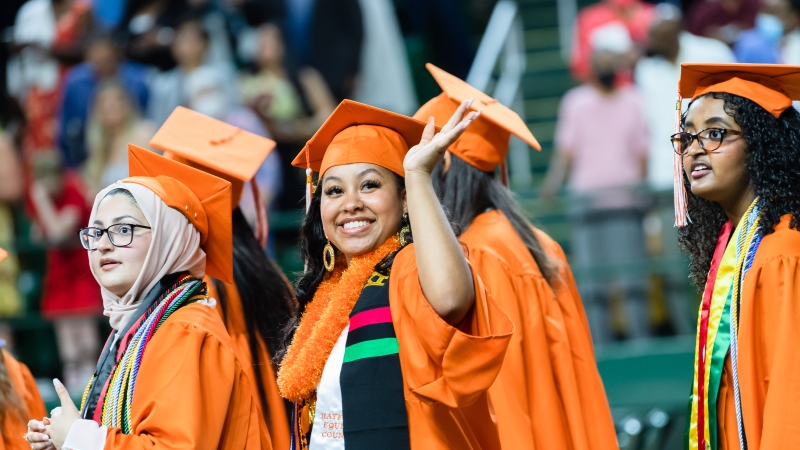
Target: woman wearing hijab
(260, 301)
(548, 394)
(738, 156)
(167, 377)
(19, 397)
(397, 342)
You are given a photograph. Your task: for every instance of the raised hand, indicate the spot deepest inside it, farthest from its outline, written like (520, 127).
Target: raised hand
(62, 418)
(423, 157)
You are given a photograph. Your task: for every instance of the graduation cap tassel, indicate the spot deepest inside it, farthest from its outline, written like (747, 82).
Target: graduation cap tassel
(679, 189)
(504, 173)
(262, 226)
(309, 189)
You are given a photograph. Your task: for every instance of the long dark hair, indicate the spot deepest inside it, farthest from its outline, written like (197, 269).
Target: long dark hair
(773, 166)
(467, 192)
(267, 300)
(312, 242)
(10, 402)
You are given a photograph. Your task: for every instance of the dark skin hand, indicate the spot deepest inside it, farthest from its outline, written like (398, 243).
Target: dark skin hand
(720, 175)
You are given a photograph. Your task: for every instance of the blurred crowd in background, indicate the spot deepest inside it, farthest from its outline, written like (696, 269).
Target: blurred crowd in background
(83, 78)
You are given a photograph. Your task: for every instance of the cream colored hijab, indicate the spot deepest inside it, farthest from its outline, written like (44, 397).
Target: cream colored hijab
(174, 247)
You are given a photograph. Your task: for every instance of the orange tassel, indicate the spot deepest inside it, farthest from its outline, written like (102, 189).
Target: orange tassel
(262, 226)
(504, 174)
(679, 190)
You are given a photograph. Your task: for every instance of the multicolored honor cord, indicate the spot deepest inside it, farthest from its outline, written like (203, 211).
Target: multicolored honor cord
(725, 278)
(117, 395)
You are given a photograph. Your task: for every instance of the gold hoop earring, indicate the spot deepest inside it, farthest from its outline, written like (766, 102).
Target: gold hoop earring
(328, 257)
(404, 231)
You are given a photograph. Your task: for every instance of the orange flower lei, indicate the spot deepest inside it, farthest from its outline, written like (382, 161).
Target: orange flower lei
(323, 321)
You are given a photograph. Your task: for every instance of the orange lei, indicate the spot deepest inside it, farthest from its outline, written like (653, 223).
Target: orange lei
(323, 321)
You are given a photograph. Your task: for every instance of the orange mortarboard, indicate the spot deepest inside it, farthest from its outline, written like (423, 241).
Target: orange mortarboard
(359, 133)
(213, 146)
(220, 149)
(203, 198)
(3, 255)
(485, 143)
(771, 86)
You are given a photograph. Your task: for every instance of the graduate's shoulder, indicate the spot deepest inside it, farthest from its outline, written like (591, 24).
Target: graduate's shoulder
(784, 242)
(198, 318)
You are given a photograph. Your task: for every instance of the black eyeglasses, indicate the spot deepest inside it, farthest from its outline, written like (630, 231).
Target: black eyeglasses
(709, 139)
(120, 235)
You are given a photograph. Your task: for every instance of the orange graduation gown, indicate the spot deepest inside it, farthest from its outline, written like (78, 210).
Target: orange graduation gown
(25, 387)
(769, 354)
(274, 411)
(446, 370)
(548, 394)
(192, 391)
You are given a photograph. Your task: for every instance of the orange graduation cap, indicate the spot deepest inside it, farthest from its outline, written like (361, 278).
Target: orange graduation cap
(359, 133)
(218, 148)
(203, 198)
(485, 143)
(771, 86)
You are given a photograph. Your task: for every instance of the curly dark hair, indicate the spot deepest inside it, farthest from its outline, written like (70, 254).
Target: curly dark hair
(773, 166)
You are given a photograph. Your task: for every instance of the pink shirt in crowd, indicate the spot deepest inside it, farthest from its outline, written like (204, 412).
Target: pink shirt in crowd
(607, 136)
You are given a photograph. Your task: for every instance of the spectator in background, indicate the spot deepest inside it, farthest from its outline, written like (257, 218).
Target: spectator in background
(292, 105)
(71, 297)
(103, 62)
(776, 37)
(762, 44)
(790, 51)
(169, 88)
(721, 19)
(47, 38)
(11, 189)
(12, 121)
(634, 15)
(656, 76)
(601, 144)
(114, 122)
(438, 31)
(219, 52)
(385, 77)
(328, 35)
(208, 94)
(279, 96)
(148, 27)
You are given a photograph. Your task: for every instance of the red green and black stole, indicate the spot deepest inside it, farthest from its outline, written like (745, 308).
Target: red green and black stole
(373, 404)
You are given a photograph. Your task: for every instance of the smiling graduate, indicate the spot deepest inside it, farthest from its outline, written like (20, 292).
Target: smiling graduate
(398, 341)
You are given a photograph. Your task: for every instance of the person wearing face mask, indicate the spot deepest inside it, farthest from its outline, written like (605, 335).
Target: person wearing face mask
(737, 167)
(762, 44)
(167, 377)
(601, 145)
(548, 394)
(634, 16)
(397, 342)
